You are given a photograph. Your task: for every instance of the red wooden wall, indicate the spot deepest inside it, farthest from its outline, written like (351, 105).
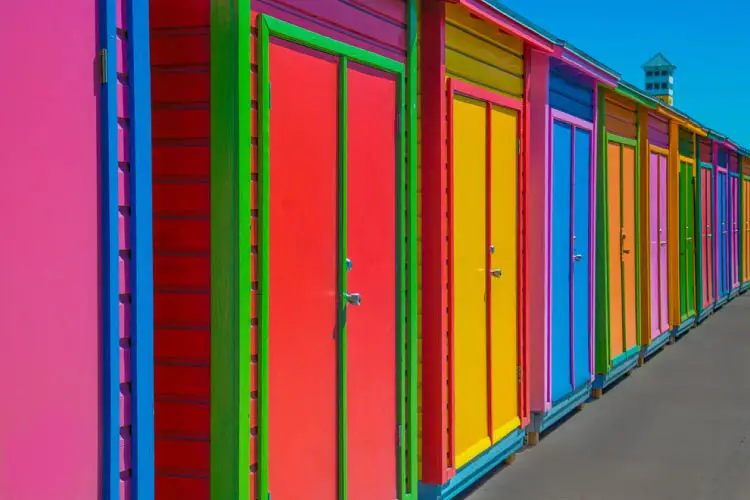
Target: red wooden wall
(180, 57)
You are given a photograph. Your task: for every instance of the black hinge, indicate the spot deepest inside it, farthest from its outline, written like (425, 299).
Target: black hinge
(103, 64)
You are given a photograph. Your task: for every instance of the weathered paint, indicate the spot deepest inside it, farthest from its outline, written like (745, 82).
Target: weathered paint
(50, 209)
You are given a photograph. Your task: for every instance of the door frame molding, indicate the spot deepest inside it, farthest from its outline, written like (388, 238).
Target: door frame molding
(268, 27)
(700, 165)
(691, 163)
(575, 123)
(457, 87)
(646, 338)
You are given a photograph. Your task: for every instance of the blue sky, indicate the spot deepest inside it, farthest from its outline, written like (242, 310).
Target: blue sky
(708, 41)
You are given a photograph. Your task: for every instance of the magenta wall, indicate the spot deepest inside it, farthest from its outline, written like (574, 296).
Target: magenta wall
(49, 259)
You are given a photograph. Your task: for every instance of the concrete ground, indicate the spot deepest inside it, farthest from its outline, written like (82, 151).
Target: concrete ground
(676, 429)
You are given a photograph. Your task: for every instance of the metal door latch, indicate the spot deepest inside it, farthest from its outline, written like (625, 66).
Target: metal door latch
(663, 243)
(496, 273)
(577, 257)
(354, 299)
(348, 264)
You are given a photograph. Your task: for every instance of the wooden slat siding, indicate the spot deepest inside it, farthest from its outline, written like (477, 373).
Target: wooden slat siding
(123, 125)
(569, 95)
(620, 116)
(722, 157)
(378, 26)
(733, 162)
(745, 165)
(181, 163)
(658, 131)
(706, 150)
(686, 143)
(477, 52)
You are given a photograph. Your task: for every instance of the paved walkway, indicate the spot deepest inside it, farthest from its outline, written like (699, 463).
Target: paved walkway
(676, 429)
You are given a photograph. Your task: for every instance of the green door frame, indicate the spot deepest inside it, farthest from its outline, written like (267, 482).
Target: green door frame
(406, 208)
(604, 361)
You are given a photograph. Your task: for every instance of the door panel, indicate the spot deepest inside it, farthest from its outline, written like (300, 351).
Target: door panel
(503, 231)
(302, 396)
(684, 235)
(560, 263)
(663, 285)
(721, 256)
(371, 336)
(629, 245)
(707, 231)
(746, 228)
(733, 232)
(582, 262)
(469, 278)
(654, 230)
(690, 240)
(614, 177)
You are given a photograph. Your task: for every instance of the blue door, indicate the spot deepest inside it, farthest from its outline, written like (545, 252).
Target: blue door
(581, 257)
(560, 262)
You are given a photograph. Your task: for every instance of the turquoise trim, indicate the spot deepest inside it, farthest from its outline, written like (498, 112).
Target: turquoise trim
(475, 470)
(705, 313)
(622, 365)
(656, 344)
(543, 421)
(684, 327)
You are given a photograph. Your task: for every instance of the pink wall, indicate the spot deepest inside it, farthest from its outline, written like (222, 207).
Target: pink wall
(49, 257)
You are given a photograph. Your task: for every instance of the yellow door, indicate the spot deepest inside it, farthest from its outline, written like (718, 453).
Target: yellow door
(469, 279)
(503, 231)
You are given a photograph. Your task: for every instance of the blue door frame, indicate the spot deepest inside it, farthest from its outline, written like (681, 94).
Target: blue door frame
(141, 259)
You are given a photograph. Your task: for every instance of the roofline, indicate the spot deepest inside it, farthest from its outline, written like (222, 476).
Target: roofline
(508, 20)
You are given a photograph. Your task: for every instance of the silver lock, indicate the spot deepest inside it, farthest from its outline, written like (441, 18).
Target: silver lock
(578, 257)
(492, 248)
(354, 299)
(663, 243)
(496, 273)
(348, 264)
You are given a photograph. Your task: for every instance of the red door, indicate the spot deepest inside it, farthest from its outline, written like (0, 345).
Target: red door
(371, 248)
(307, 432)
(302, 274)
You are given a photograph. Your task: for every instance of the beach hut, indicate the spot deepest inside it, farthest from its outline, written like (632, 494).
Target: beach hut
(734, 221)
(475, 59)
(619, 194)
(562, 209)
(706, 223)
(285, 316)
(745, 219)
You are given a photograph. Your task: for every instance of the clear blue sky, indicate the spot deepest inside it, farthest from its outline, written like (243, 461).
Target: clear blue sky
(708, 41)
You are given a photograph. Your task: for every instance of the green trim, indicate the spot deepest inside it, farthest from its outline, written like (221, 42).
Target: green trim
(709, 166)
(342, 285)
(230, 249)
(264, 113)
(287, 31)
(637, 246)
(412, 366)
(407, 290)
(626, 90)
(603, 363)
(623, 140)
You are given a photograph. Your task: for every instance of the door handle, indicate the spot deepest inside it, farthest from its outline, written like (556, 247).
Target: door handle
(663, 243)
(578, 257)
(689, 238)
(496, 273)
(626, 251)
(354, 299)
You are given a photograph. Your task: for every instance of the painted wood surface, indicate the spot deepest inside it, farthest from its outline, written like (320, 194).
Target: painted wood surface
(687, 239)
(371, 329)
(722, 233)
(379, 27)
(658, 243)
(483, 262)
(745, 228)
(707, 237)
(620, 116)
(734, 222)
(477, 52)
(570, 342)
(181, 211)
(568, 93)
(50, 209)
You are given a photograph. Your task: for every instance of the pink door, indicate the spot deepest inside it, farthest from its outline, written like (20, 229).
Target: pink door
(658, 243)
(707, 236)
(735, 230)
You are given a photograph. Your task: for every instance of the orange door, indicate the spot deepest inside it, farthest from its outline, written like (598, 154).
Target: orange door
(614, 177)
